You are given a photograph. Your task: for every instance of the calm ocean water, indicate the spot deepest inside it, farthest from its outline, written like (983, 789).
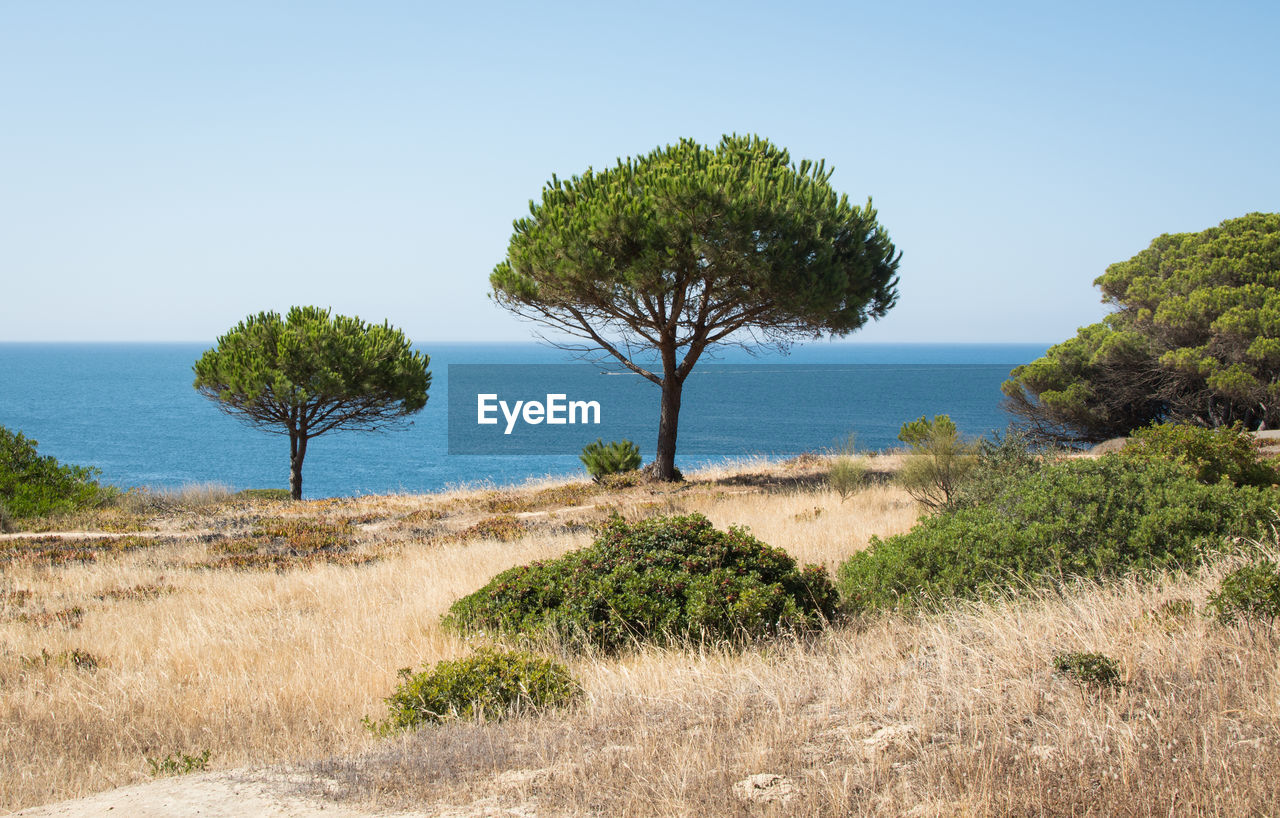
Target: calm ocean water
(129, 410)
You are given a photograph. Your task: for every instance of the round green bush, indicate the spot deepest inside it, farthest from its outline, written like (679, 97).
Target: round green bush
(489, 685)
(658, 580)
(1038, 523)
(1251, 592)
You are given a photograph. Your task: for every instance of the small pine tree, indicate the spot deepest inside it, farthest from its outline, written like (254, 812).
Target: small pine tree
(938, 460)
(615, 457)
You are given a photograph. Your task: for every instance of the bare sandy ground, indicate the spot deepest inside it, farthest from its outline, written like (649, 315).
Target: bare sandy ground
(235, 794)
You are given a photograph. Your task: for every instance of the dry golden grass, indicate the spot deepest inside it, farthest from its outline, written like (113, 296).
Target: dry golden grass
(959, 714)
(952, 714)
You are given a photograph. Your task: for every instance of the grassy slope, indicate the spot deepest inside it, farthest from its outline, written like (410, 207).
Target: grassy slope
(947, 714)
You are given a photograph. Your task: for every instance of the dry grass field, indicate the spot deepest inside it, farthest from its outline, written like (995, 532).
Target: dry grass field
(263, 632)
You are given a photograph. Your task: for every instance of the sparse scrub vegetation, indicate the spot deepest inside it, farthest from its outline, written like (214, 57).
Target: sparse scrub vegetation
(264, 494)
(956, 713)
(503, 528)
(486, 686)
(78, 659)
(283, 543)
(564, 494)
(58, 550)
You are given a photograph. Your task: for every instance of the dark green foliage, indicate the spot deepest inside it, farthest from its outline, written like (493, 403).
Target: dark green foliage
(615, 457)
(1250, 592)
(1195, 338)
(310, 373)
(1037, 523)
(937, 461)
(661, 256)
(34, 485)
(489, 685)
(1227, 453)
(1000, 460)
(663, 579)
(1089, 669)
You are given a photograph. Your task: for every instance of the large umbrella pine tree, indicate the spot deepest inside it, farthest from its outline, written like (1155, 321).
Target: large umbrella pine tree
(312, 372)
(662, 256)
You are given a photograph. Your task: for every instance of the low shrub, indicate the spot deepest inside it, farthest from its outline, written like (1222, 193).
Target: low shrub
(1212, 455)
(566, 494)
(937, 461)
(1001, 462)
(622, 480)
(179, 764)
(1089, 669)
(283, 543)
(846, 475)
(264, 494)
(614, 457)
(663, 579)
(489, 685)
(34, 485)
(305, 533)
(1251, 592)
(1038, 524)
(75, 659)
(503, 528)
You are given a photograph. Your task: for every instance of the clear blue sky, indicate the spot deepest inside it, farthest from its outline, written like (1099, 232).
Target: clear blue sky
(168, 168)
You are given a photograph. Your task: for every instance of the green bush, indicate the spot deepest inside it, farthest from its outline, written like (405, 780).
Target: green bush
(1212, 455)
(1089, 669)
(1037, 523)
(662, 579)
(1004, 458)
(489, 685)
(179, 764)
(1250, 592)
(936, 462)
(32, 485)
(846, 475)
(614, 457)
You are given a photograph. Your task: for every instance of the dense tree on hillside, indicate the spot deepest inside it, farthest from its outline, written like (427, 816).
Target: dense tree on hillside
(35, 485)
(1195, 338)
(311, 373)
(661, 256)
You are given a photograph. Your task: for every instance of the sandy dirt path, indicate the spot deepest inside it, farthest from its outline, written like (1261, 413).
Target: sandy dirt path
(234, 794)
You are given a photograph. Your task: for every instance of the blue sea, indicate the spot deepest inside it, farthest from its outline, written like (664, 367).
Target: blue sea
(130, 410)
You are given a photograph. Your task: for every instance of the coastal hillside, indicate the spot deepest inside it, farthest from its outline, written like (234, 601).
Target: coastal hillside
(235, 646)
